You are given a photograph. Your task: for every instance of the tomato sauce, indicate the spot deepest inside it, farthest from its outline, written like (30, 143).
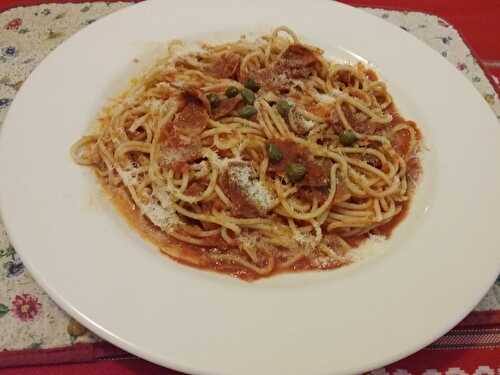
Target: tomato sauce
(241, 205)
(320, 110)
(317, 171)
(384, 230)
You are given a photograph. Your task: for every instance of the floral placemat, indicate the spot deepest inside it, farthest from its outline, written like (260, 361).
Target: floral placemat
(28, 317)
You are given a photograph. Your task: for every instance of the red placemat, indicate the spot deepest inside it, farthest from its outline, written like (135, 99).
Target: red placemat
(461, 352)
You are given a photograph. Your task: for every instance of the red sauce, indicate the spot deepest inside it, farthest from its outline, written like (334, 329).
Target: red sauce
(174, 248)
(182, 252)
(213, 204)
(318, 193)
(397, 119)
(180, 167)
(401, 142)
(241, 205)
(366, 127)
(195, 189)
(226, 66)
(197, 256)
(317, 171)
(320, 110)
(384, 230)
(182, 135)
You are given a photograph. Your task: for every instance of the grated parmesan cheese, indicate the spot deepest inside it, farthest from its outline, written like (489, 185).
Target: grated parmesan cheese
(360, 117)
(180, 83)
(160, 216)
(159, 210)
(223, 163)
(200, 169)
(308, 124)
(171, 155)
(304, 240)
(129, 176)
(328, 98)
(248, 239)
(244, 177)
(326, 262)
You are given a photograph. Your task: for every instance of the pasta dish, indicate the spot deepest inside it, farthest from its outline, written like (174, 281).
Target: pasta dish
(256, 156)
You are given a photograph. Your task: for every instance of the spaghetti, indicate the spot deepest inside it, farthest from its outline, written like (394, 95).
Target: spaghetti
(256, 156)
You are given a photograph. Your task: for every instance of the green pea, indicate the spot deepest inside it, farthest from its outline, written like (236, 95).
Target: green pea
(348, 138)
(274, 153)
(283, 107)
(232, 91)
(248, 111)
(248, 96)
(251, 85)
(213, 99)
(295, 172)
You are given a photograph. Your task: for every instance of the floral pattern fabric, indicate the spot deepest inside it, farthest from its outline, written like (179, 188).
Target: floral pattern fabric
(28, 317)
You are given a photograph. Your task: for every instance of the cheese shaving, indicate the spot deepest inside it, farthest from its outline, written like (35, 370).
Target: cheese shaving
(244, 177)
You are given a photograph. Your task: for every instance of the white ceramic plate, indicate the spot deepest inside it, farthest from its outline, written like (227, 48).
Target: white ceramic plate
(437, 266)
